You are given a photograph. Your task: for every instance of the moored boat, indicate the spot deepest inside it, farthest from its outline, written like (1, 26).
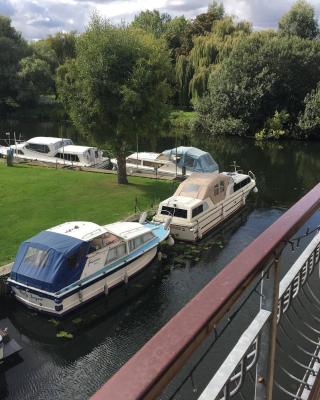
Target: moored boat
(66, 266)
(58, 151)
(180, 161)
(203, 201)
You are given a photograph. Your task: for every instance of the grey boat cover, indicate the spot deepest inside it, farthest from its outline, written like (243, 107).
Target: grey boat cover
(192, 159)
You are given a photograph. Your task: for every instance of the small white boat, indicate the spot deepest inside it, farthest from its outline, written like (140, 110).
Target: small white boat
(203, 201)
(57, 150)
(180, 161)
(66, 266)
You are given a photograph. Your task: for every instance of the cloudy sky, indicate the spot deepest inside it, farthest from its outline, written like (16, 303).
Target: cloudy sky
(39, 18)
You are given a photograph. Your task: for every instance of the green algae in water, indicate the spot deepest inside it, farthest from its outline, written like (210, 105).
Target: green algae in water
(64, 334)
(54, 322)
(77, 321)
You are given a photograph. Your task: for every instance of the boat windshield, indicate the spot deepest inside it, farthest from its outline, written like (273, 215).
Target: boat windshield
(175, 212)
(36, 257)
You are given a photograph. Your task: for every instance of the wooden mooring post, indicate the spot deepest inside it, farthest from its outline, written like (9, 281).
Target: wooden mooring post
(4, 274)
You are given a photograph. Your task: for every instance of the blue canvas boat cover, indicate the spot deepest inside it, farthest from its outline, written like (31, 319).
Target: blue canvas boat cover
(50, 261)
(192, 159)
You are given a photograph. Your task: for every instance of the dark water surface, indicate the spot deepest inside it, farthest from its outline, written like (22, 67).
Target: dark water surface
(107, 332)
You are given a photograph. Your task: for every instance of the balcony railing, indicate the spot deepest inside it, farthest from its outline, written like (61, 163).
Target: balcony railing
(275, 344)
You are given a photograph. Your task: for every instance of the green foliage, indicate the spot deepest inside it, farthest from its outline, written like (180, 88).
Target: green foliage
(43, 51)
(35, 78)
(300, 21)
(152, 22)
(262, 72)
(117, 85)
(63, 44)
(12, 49)
(309, 120)
(175, 34)
(275, 127)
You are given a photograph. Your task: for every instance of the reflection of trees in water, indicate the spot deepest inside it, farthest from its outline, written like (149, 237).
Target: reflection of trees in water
(308, 165)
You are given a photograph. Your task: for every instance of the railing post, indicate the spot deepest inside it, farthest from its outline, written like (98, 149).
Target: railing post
(267, 349)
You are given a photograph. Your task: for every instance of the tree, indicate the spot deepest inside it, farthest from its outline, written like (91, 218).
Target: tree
(309, 120)
(116, 87)
(264, 72)
(35, 78)
(64, 45)
(12, 49)
(151, 22)
(300, 21)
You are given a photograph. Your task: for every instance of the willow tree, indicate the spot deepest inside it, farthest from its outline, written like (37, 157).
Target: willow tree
(116, 87)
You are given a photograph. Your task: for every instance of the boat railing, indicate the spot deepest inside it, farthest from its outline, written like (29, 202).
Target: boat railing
(248, 333)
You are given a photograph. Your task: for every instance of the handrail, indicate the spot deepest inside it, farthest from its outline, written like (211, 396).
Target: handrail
(148, 372)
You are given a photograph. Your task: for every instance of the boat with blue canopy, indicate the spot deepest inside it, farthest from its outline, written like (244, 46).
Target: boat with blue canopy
(63, 267)
(179, 161)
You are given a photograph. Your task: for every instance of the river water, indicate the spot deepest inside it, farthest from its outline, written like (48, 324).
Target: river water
(108, 331)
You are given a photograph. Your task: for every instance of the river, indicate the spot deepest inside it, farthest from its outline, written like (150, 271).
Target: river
(108, 331)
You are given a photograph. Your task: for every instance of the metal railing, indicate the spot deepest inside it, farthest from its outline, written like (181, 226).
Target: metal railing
(291, 301)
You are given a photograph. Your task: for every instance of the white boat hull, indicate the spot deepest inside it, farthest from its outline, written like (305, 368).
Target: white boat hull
(34, 299)
(212, 218)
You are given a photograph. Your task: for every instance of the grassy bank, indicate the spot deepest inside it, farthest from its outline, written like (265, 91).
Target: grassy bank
(34, 198)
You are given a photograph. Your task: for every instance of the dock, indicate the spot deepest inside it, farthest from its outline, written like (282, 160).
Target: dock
(144, 174)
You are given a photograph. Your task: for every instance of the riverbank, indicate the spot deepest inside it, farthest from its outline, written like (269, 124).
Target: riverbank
(33, 199)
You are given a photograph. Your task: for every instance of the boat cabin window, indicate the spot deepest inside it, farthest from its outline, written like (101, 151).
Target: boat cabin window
(241, 184)
(176, 212)
(19, 152)
(40, 148)
(197, 210)
(116, 252)
(216, 189)
(133, 161)
(36, 257)
(140, 240)
(150, 164)
(188, 162)
(205, 206)
(68, 157)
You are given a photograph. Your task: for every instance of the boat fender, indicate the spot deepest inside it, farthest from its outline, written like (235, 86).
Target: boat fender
(167, 222)
(255, 189)
(170, 240)
(143, 218)
(159, 255)
(106, 289)
(125, 278)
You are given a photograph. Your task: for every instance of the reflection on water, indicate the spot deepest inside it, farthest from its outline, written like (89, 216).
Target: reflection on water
(107, 332)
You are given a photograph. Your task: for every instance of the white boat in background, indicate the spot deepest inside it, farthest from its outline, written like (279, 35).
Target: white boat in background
(180, 161)
(66, 266)
(58, 151)
(203, 201)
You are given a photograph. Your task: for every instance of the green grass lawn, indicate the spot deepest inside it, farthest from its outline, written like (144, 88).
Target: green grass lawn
(34, 198)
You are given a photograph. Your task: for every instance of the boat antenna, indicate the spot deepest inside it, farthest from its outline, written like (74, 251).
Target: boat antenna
(235, 166)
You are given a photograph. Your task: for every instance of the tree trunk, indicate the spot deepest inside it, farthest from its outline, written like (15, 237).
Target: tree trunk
(122, 170)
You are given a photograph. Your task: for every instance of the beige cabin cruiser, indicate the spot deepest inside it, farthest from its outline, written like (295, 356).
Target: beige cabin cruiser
(203, 201)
